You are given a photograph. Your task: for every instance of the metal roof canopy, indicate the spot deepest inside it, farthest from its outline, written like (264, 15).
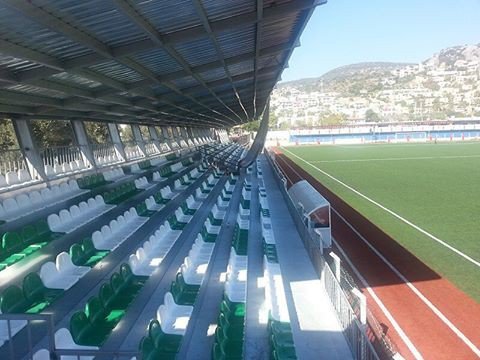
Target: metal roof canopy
(210, 63)
(305, 194)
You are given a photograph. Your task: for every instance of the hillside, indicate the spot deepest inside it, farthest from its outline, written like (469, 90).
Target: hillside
(444, 85)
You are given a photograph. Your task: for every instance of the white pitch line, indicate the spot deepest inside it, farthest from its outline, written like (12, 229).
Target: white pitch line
(380, 304)
(416, 227)
(417, 292)
(398, 159)
(412, 287)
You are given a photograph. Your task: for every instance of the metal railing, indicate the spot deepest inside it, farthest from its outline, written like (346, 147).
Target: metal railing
(58, 155)
(11, 160)
(151, 149)
(353, 330)
(132, 150)
(105, 154)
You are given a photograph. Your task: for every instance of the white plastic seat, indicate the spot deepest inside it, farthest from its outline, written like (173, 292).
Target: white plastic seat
(192, 204)
(181, 217)
(64, 340)
(64, 188)
(217, 213)
(64, 265)
(167, 193)
(199, 194)
(53, 279)
(12, 178)
(23, 202)
(135, 168)
(156, 176)
(173, 318)
(211, 229)
(152, 204)
(36, 199)
(24, 176)
(42, 354)
(3, 181)
(75, 211)
(178, 186)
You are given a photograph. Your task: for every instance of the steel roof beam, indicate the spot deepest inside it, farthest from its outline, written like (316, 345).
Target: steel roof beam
(45, 18)
(206, 24)
(129, 10)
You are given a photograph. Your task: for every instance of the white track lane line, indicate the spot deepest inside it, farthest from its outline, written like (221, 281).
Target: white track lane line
(417, 292)
(375, 298)
(398, 159)
(380, 304)
(448, 246)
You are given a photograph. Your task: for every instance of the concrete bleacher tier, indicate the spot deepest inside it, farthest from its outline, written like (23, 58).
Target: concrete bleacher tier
(56, 277)
(129, 256)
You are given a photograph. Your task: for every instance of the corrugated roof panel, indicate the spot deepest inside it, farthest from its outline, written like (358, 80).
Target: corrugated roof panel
(214, 74)
(158, 61)
(97, 19)
(14, 64)
(117, 71)
(276, 31)
(33, 90)
(185, 82)
(76, 80)
(241, 68)
(198, 51)
(226, 8)
(167, 16)
(237, 41)
(25, 32)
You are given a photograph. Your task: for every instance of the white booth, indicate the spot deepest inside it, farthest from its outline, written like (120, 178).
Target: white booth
(315, 209)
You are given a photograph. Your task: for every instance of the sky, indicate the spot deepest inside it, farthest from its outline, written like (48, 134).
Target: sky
(343, 32)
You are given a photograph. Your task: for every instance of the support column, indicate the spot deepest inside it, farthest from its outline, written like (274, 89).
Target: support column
(137, 134)
(183, 135)
(82, 141)
(116, 140)
(167, 137)
(155, 139)
(29, 149)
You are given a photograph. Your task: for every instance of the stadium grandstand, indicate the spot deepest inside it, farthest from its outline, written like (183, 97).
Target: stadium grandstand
(144, 231)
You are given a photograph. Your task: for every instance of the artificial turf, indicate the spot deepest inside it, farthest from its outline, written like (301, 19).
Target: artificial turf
(434, 186)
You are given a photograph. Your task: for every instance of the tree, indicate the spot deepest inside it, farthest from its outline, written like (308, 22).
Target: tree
(332, 119)
(126, 133)
(372, 116)
(8, 139)
(97, 132)
(51, 133)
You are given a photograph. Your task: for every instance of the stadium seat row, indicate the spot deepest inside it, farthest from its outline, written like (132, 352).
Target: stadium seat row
(29, 202)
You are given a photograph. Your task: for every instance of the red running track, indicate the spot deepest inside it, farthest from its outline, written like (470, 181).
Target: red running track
(430, 336)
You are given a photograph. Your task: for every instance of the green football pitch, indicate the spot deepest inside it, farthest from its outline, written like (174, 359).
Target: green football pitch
(425, 196)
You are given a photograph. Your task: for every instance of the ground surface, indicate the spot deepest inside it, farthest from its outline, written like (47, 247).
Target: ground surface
(435, 187)
(423, 314)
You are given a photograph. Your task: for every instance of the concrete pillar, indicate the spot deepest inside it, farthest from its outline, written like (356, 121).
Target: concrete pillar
(116, 140)
(82, 141)
(155, 139)
(137, 135)
(183, 135)
(29, 149)
(166, 137)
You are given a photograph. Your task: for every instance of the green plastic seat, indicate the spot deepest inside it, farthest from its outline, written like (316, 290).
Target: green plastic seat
(186, 210)
(106, 295)
(82, 330)
(12, 243)
(29, 234)
(213, 221)
(163, 342)
(36, 294)
(181, 295)
(12, 300)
